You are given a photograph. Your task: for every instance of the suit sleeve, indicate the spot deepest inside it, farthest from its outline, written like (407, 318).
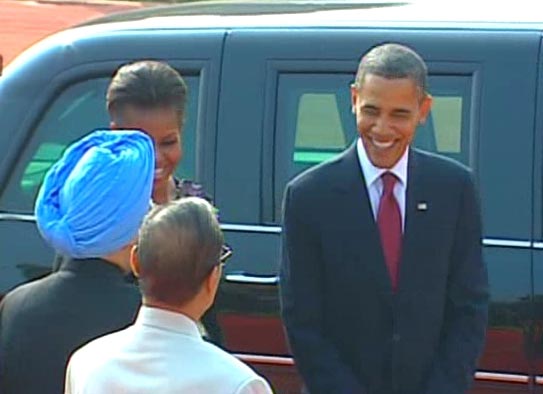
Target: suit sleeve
(466, 310)
(302, 299)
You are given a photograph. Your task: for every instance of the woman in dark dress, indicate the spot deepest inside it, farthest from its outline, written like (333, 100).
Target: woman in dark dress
(151, 96)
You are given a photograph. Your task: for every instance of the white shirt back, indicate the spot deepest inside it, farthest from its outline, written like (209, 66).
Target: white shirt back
(163, 352)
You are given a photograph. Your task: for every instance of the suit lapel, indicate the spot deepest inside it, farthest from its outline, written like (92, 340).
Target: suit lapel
(416, 208)
(358, 226)
(356, 216)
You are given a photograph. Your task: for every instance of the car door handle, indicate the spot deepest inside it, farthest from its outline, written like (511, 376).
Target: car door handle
(242, 277)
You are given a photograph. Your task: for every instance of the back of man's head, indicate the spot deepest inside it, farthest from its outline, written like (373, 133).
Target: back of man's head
(179, 246)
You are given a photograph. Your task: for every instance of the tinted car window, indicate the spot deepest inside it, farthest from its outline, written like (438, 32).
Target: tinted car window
(314, 122)
(78, 109)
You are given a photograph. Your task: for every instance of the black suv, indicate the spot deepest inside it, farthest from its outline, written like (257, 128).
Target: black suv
(269, 97)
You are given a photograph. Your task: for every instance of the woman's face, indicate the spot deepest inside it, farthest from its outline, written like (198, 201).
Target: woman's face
(163, 126)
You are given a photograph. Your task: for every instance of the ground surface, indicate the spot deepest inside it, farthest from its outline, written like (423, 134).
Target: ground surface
(23, 23)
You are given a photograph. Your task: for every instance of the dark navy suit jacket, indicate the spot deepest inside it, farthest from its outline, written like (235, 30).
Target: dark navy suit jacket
(43, 322)
(349, 333)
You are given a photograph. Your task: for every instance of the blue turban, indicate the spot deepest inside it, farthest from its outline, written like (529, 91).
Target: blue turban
(93, 200)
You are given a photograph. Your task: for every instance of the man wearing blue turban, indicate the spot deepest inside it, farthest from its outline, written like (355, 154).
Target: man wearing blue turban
(89, 208)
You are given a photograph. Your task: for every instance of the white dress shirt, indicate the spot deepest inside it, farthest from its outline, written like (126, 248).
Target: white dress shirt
(374, 183)
(163, 352)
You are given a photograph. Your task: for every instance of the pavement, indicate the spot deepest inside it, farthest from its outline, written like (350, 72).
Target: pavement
(23, 23)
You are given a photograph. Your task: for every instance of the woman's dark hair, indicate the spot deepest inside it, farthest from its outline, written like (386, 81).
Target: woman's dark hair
(146, 84)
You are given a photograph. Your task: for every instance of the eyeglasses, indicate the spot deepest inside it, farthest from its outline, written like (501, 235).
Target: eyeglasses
(226, 253)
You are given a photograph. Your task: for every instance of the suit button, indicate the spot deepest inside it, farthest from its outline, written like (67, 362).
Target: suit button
(396, 338)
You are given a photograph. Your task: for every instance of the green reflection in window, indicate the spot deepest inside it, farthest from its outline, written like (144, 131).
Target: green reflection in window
(447, 116)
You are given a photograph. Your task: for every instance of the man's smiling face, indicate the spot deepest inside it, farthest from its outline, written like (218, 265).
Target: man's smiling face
(388, 111)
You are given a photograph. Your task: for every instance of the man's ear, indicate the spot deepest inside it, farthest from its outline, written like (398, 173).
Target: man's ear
(134, 261)
(354, 98)
(213, 279)
(425, 107)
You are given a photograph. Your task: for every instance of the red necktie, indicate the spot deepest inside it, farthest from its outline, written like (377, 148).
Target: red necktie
(389, 221)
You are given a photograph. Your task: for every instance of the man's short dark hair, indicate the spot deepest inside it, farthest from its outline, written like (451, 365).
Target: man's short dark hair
(179, 245)
(146, 84)
(393, 61)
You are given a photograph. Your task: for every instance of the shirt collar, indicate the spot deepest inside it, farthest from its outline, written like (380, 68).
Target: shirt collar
(167, 320)
(372, 173)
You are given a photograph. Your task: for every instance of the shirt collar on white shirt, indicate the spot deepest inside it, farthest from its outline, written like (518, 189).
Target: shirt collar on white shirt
(372, 173)
(167, 320)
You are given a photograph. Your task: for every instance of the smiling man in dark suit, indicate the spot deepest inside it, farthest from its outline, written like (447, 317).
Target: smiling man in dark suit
(383, 286)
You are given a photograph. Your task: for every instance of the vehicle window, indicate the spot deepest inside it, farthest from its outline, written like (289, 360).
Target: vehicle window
(314, 122)
(79, 109)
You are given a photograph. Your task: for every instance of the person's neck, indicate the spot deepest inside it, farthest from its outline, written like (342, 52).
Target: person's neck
(163, 193)
(191, 309)
(120, 258)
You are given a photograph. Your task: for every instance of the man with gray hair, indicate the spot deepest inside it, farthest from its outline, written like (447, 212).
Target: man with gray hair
(178, 261)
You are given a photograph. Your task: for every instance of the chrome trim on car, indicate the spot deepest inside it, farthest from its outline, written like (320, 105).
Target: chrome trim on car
(253, 228)
(19, 217)
(488, 376)
(502, 377)
(250, 228)
(271, 360)
(251, 279)
(509, 243)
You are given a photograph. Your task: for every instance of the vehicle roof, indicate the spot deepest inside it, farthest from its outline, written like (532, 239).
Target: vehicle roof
(485, 14)
(288, 15)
